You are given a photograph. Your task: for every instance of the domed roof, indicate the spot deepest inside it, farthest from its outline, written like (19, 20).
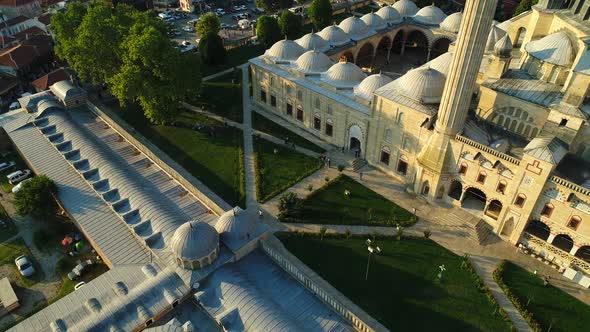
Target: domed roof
(344, 74)
(389, 14)
(313, 62)
(235, 224)
(334, 35)
(312, 41)
(370, 84)
(555, 48)
(495, 35)
(194, 240)
(441, 63)
(452, 23)
(285, 50)
(430, 15)
(354, 26)
(406, 8)
(374, 21)
(422, 84)
(503, 47)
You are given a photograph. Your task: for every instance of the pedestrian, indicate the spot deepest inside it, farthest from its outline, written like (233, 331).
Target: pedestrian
(360, 176)
(260, 214)
(414, 210)
(329, 161)
(342, 150)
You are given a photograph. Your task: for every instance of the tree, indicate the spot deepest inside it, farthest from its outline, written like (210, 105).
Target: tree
(320, 13)
(211, 49)
(347, 233)
(285, 4)
(36, 197)
(523, 6)
(268, 30)
(499, 15)
(323, 231)
(64, 25)
(290, 24)
(264, 4)
(288, 202)
(209, 23)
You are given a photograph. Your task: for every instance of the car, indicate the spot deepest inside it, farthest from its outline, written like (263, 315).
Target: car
(79, 285)
(188, 29)
(177, 33)
(19, 186)
(224, 25)
(24, 266)
(18, 176)
(235, 17)
(6, 165)
(243, 7)
(14, 106)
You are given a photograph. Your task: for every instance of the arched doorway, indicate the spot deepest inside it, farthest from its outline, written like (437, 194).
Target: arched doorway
(364, 57)
(355, 140)
(474, 199)
(440, 192)
(440, 46)
(538, 229)
(494, 209)
(416, 47)
(563, 242)
(519, 37)
(508, 227)
(584, 253)
(348, 55)
(456, 190)
(398, 41)
(382, 54)
(425, 188)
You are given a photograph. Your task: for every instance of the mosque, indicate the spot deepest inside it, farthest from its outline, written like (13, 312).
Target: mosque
(500, 130)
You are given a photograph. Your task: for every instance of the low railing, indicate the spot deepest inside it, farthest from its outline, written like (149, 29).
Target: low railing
(552, 253)
(487, 149)
(570, 185)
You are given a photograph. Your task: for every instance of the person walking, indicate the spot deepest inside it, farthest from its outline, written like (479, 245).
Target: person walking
(260, 214)
(329, 161)
(360, 176)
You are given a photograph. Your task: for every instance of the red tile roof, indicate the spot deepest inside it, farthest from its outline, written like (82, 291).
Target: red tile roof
(28, 33)
(45, 18)
(26, 52)
(5, 40)
(44, 82)
(15, 3)
(13, 21)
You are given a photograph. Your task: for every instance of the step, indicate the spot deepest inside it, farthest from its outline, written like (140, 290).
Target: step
(49, 130)
(111, 196)
(72, 155)
(81, 165)
(133, 217)
(91, 175)
(64, 146)
(122, 206)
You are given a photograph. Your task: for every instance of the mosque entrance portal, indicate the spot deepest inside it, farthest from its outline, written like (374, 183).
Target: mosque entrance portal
(355, 146)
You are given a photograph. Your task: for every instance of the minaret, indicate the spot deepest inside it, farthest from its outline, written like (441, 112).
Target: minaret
(436, 157)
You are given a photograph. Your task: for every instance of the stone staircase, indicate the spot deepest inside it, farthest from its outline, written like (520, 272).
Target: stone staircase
(358, 163)
(483, 232)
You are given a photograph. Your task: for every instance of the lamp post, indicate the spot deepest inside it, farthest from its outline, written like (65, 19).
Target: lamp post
(372, 249)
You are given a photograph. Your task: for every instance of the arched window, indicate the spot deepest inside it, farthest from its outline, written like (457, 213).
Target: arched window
(317, 121)
(289, 89)
(400, 119)
(574, 222)
(387, 136)
(481, 177)
(299, 95)
(463, 168)
(330, 111)
(520, 200)
(329, 130)
(534, 132)
(547, 210)
(385, 155)
(501, 188)
(272, 81)
(317, 104)
(402, 165)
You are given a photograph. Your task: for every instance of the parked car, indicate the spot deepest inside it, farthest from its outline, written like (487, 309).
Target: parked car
(14, 106)
(24, 266)
(18, 176)
(224, 25)
(79, 285)
(188, 29)
(19, 186)
(6, 165)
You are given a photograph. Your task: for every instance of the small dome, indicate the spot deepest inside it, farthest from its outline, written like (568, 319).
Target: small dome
(503, 47)
(312, 41)
(235, 224)
(370, 84)
(452, 23)
(406, 8)
(194, 240)
(334, 35)
(345, 74)
(354, 26)
(374, 21)
(555, 48)
(430, 15)
(422, 84)
(285, 50)
(441, 63)
(313, 62)
(495, 35)
(389, 14)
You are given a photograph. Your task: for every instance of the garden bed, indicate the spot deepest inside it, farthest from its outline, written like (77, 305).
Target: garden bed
(261, 123)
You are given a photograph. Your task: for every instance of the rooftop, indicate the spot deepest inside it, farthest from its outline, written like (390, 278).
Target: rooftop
(519, 84)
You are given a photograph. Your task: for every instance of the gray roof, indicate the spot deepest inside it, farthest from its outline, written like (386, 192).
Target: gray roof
(235, 225)
(7, 294)
(583, 65)
(519, 84)
(549, 149)
(555, 48)
(122, 299)
(66, 89)
(194, 240)
(30, 102)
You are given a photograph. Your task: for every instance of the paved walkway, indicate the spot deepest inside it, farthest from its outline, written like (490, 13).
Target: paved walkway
(221, 73)
(249, 165)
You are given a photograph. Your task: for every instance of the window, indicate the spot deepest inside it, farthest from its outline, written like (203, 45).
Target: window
(174, 303)
(406, 143)
(272, 81)
(330, 111)
(263, 96)
(317, 103)
(402, 166)
(317, 122)
(563, 122)
(481, 177)
(300, 95)
(289, 110)
(387, 136)
(400, 119)
(329, 128)
(463, 168)
(547, 210)
(501, 188)
(520, 199)
(574, 222)
(300, 114)
(385, 154)
(149, 322)
(273, 101)
(289, 89)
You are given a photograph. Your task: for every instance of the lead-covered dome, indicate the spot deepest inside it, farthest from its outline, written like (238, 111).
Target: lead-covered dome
(354, 27)
(334, 35)
(430, 15)
(195, 244)
(441, 63)
(344, 74)
(390, 15)
(495, 35)
(312, 41)
(235, 225)
(374, 21)
(285, 50)
(313, 62)
(422, 84)
(369, 85)
(452, 23)
(555, 48)
(406, 8)
(503, 47)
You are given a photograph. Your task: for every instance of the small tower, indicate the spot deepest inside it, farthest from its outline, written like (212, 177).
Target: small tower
(499, 62)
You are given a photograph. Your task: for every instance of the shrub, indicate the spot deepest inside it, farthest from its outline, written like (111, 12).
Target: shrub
(340, 168)
(310, 187)
(327, 178)
(288, 202)
(323, 231)
(347, 233)
(427, 233)
(400, 233)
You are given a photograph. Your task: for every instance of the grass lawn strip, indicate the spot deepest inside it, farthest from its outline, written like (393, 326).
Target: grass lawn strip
(403, 291)
(329, 205)
(549, 306)
(261, 123)
(222, 96)
(276, 172)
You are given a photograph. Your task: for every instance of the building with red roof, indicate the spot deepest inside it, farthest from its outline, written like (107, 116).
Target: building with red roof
(14, 8)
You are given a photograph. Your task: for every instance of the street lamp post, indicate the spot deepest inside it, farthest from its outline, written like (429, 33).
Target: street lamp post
(372, 249)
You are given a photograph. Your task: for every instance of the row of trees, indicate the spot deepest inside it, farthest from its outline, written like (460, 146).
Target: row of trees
(128, 52)
(211, 45)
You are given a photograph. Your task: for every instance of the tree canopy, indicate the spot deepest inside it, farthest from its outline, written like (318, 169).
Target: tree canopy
(211, 49)
(208, 23)
(129, 52)
(290, 24)
(264, 4)
(268, 30)
(35, 197)
(523, 6)
(270, 5)
(320, 13)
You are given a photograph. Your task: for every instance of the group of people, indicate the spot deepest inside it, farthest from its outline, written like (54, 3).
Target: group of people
(326, 160)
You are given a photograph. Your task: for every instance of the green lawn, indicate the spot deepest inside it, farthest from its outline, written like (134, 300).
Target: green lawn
(66, 265)
(11, 250)
(402, 291)
(549, 306)
(10, 229)
(235, 57)
(277, 172)
(216, 161)
(329, 205)
(260, 122)
(222, 96)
